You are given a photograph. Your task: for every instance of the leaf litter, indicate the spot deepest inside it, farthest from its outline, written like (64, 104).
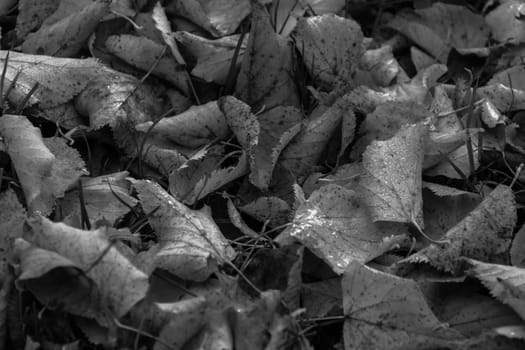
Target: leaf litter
(261, 174)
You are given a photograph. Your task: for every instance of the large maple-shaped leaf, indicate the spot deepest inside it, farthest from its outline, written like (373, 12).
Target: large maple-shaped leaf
(266, 77)
(190, 244)
(383, 311)
(485, 234)
(331, 47)
(335, 225)
(392, 183)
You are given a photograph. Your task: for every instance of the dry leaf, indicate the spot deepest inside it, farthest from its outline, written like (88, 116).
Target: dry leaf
(506, 23)
(273, 210)
(59, 81)
(12, 219)
(331, 47)
(45, 168)
(444, 207)
(163, 25)
(193, 128)
(269, 53)
(218, 17)
(204, 173)
(187, 318)
(336, 226)
(506, 283)
(517, 251)
(112, 283)
(191, 245)
(31, 15)
(383, 311)
(67, 36)
(106, 198)
(379, 68)
(440, 27)
(386, 120)
(485, 234)
(147, 54)
(306, 149)
(262, 137)
(214, 57)
(392, 184)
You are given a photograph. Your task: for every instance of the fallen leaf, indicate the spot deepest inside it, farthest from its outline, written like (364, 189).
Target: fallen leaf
(506, 283)
(67, 36)
(105, 198)
(517, 251)
(204, 173)
(273, 210)
(386, 120)
(214, 57)
(262, 137)
(218, 17)
(305, 150)
(392, 184)
(32, 13)
(335, 225)
(269, 53)
(147, 55)
(44, 172)
(96, 262)
(506, 23)
(383, 311)
(484, 234)
(191, 245)
(193, 128)
(440, 27)
(444, 207)
(331, 47)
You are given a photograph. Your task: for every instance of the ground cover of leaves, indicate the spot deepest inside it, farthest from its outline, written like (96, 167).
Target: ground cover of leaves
(258, 174)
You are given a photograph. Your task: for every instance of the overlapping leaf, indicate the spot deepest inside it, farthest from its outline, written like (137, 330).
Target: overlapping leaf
(265, 76)
(331, 46)
(335, 224)
(82, 270)
(190, 244)
(485, 234)
(392, 184)
(383, 311)
(45, 168)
